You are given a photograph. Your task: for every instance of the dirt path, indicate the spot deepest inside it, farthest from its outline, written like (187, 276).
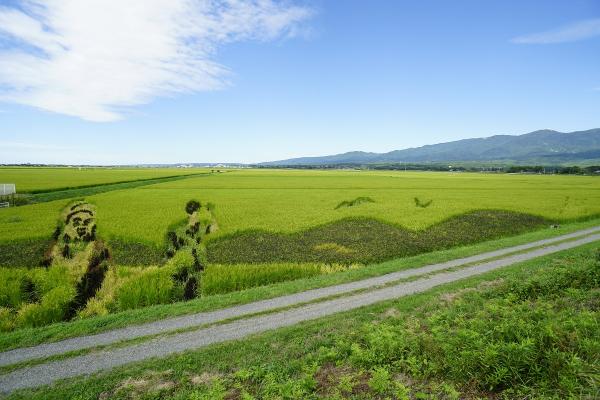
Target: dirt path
(47, 373)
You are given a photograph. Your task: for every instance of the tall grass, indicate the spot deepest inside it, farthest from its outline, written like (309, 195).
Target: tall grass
(53, 308)
(152, 286)
(10, 287)
(228, 278)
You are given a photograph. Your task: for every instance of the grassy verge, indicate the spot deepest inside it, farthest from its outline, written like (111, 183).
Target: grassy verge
(59, 331)
(526, 331)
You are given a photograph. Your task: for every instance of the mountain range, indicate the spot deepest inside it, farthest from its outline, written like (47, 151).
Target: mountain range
(544, 147)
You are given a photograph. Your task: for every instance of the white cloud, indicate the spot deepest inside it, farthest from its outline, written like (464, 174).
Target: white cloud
(570, 33)
(94, 58)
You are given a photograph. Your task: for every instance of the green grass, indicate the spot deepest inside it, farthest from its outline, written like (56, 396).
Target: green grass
(218, 279)
(364, 240)
(36, 180)
(525, 331)
(101, 323)
(292, 201)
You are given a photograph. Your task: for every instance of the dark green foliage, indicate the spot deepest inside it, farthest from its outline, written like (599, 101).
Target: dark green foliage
(355, 202)
(73, 213)
(57, 231)
(29, 292)
(66, 238)
(74, 206)
(191, 288)
(193, 229)
(192, 206)
(135, 253)
(27, 253)
(81, 231)
(181, 275)
(172, 238)
(198, 266)
(367, 240)
(422, 204)
(46, 260)
(66, 251)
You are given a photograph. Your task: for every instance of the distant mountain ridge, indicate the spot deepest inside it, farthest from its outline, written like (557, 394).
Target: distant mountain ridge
(539, 147)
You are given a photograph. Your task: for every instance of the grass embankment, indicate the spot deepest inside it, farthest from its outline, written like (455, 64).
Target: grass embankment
(31, 336)
(527, 331)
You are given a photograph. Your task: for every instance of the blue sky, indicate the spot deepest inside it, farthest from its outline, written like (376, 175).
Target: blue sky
(272, 80)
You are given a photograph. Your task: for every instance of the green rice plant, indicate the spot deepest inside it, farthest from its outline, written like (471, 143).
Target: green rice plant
(228, 278)
(52, 308)
(35, 180)
(104, 300)
(10, 286)
(364, 240)
(6, 320)
(152, 286)
(135, 252)
(181, 265)
(28, 290)
(57, 275)
(24, 253)
(293, 201)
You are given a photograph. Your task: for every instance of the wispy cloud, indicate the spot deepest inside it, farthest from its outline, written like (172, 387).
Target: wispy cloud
(569, 33)
(94, 58)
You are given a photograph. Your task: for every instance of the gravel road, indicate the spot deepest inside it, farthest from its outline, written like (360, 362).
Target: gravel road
(202, 318)
(48, 373)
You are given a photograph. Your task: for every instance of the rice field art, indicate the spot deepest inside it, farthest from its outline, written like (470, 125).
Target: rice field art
(213, 233)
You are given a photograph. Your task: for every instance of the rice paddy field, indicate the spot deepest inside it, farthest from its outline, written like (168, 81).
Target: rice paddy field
(59, 178)
(249, 227)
